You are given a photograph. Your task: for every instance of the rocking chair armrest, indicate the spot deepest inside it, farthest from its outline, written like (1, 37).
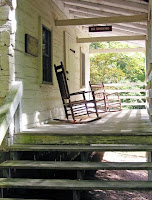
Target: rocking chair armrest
(81, 92)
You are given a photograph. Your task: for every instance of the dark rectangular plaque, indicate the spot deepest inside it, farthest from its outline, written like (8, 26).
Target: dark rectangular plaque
(100, 28)
(31, 45)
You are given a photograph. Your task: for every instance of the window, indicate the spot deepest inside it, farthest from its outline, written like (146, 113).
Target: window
(83, 70)
(47, 58)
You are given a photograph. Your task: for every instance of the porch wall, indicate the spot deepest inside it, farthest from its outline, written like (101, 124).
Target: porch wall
(6, 48)
(41, 102)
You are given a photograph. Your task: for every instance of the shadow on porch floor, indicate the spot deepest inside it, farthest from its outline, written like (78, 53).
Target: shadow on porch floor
(121, 122)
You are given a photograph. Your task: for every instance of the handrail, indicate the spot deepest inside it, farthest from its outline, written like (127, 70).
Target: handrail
(128, 96)
(123, 84)
(9, 107)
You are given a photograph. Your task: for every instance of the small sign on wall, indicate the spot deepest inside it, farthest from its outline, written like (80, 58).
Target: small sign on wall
(100, 28)
(31, 45)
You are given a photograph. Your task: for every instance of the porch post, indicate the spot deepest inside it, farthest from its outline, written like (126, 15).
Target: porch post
(148, 45)
(149, 60)
(148, 78)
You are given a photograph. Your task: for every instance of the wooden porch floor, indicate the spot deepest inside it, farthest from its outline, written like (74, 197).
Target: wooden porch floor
(125, 122)
(130, 127)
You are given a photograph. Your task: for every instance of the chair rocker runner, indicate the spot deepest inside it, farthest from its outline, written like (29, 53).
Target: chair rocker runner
(72, 107)
(107, 102)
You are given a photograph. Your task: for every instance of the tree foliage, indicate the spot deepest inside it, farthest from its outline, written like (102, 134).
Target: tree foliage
(116, 67)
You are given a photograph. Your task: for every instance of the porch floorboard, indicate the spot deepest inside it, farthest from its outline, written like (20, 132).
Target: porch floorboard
(125, 122)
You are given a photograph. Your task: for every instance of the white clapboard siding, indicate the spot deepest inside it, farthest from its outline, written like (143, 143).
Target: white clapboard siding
(41, 102)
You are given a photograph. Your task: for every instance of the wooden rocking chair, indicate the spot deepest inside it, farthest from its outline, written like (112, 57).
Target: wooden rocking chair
(75, 108)
(109, 102)
(100, 96)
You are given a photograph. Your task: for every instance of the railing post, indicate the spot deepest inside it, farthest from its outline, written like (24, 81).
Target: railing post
(11, 132)
(76, 195)
(17, 119)
(8, 110)
(15, 126)
(2, 193)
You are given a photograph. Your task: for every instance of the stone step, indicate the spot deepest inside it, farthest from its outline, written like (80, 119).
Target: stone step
(65, 184)
(80, 148)
(75, 165)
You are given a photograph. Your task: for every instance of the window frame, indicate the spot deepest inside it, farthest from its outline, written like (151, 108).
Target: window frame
(50, 56)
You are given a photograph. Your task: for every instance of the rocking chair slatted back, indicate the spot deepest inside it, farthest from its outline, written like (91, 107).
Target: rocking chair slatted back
(111, 100)
(99, 92)
(63, 86)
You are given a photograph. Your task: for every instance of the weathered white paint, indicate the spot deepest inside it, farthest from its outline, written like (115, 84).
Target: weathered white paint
(7, 32)
(42, 102)
(8, 108)
(4, 51)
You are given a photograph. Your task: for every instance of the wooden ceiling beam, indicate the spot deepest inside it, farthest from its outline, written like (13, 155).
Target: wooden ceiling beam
(114, 26)
(102, 20)
(106, 8)
(103, 14)
(113, 38)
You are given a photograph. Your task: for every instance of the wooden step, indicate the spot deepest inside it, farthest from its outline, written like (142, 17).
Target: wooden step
(75, 165)
(104, 138)
(65, 184)
(80, 148)
(19, 199)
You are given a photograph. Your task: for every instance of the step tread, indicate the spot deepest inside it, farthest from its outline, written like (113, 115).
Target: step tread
(75, 165)
(19, 199)
(65, 184)
(83, 148)
(121, 137)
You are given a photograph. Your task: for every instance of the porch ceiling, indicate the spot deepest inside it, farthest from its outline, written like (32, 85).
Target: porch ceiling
(75, 9)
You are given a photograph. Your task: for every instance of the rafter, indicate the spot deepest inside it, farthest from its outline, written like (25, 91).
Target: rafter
(113, 38)
(101, 20)
(102, 14)
(114, 32)
(106, 8)
(138, 1)
(123, 4)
